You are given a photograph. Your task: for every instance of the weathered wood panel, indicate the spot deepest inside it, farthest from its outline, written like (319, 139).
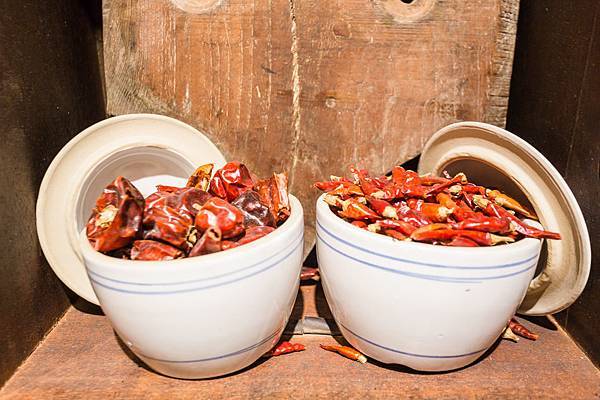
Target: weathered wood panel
(311, 86)
(82, 358)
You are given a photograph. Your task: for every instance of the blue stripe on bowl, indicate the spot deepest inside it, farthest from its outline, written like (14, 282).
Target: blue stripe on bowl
(193, 280)
(168, 292)
(406, 353)
(235, 353)
(443, 266)
(447, 279)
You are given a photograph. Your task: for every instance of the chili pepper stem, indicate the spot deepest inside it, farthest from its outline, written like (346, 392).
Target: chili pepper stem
(496, 239)
(510, 335)
(346, 351)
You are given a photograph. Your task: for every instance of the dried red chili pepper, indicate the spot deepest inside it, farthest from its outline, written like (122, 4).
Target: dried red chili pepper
(458, 178)
(382, 207)
(169, 215)
(116, 219)
(485, 224)
(435, 212)
(284, 348)
(494, 209)
(346, 191)
(333, 184)
(394, 234)
(255, 212)
(231, 181)
(217, 213)
(166, 224)
(279, 194)
(473, 189)
(460, 241)
(401, 226)
(430, 179)
(443, 235)
(459, 213)
(209, 242)
(521, 330)
(200, 179)
(255, 232)
(151, 250)
(273, 193)
(352, 209)
(508, 202)
(411, 216)
(346, 351)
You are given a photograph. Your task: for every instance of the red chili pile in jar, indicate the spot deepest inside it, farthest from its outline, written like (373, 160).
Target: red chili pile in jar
(449, 211)
(208, 215)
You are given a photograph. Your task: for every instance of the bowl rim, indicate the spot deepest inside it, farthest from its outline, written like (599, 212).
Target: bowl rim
(325, 213)
(98, 258)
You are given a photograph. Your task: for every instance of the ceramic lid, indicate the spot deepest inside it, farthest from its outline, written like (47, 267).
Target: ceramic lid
(492, 156)
(147, 148)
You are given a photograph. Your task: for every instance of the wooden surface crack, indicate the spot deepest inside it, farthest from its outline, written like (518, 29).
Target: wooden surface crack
(295, 90)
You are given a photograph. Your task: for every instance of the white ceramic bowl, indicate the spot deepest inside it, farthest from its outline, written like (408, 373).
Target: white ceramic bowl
(431, 308)
(203, 316)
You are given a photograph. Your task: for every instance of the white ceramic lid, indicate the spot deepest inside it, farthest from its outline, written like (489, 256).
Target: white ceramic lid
(146, 148)
(492, 156)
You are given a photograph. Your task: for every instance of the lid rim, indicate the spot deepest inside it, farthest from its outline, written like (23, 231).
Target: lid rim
(582, 245)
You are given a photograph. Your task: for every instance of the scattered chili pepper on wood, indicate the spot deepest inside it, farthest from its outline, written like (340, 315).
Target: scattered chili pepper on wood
(346, 351)
(517, 328)
(309, 273)
(284, 348)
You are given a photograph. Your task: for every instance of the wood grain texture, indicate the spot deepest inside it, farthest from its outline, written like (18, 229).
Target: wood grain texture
(312, 86)
(83, 359)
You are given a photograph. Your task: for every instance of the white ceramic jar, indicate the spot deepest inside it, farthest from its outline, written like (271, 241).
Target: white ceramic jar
(205, 316)
(431, 308)
(196, 317)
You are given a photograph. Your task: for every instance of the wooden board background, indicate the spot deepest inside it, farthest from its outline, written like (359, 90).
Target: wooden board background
(312, 86)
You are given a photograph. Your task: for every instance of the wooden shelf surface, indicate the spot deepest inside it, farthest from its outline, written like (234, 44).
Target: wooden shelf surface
(81, 358)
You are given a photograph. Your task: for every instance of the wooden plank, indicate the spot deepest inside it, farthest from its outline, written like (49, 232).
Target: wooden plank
(312, 86)
(82, 358)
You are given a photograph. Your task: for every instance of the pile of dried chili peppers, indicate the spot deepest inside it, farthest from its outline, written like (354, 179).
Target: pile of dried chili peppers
(208, 215)
(445, 210)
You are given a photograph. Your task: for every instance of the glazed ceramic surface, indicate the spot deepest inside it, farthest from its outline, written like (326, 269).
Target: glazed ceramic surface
(431, 308)
(203, 316)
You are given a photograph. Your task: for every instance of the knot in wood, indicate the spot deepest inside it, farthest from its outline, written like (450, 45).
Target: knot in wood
(406, 11)
(197, 6)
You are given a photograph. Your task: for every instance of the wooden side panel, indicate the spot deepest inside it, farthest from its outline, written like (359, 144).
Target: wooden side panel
(311, 86)
(554, 106)
(50, 89)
